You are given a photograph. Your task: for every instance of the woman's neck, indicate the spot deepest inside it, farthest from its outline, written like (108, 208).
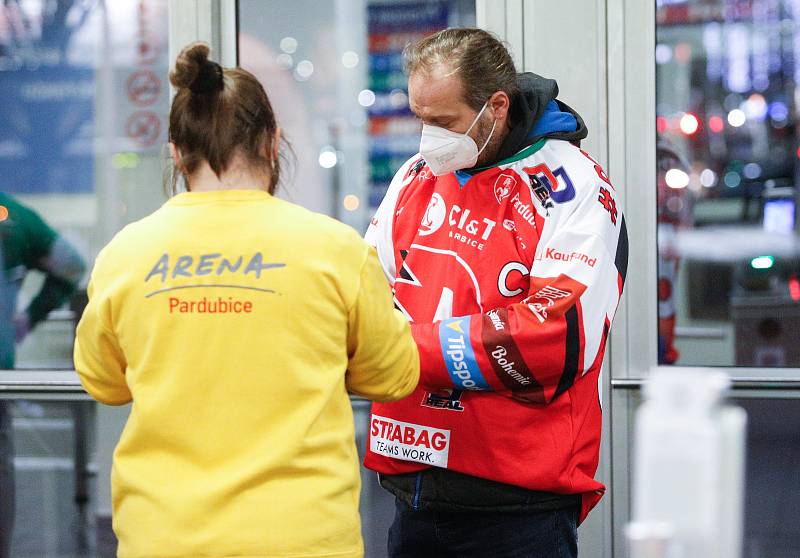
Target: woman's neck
(236, 177)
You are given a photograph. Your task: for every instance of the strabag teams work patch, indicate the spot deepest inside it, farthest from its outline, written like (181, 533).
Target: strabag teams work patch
(409, 442)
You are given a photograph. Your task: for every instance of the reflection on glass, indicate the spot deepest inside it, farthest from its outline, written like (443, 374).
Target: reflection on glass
(82, 125)
(26, 243)
(334, 71)
(47, 481)
(728, 163)
(772, 486)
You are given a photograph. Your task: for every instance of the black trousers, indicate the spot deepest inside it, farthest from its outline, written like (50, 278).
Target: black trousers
(436, 534)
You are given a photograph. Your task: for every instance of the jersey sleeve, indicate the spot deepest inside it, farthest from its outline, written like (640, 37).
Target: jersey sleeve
(40, 247)
(38, 236)
(64, 268)
(379, 232)
(383, 359)
(99, 360)
(535, 349)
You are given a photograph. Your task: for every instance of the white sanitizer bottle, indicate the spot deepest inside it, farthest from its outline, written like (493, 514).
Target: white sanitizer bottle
(688, 468)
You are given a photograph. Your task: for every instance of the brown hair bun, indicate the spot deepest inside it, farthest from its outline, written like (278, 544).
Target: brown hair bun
(220, 114)
(194, 71)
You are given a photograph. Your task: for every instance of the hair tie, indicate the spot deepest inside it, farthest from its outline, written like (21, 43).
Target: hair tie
(208, 79)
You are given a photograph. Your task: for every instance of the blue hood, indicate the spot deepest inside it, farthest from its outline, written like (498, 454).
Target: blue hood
(536, 113)
(554, 120)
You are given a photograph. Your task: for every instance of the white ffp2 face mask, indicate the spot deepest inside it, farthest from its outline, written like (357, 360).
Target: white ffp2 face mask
(445, 151)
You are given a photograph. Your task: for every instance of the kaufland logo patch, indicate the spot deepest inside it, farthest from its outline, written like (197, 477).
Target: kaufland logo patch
(554, 254)
(408, 441)
(504, 185)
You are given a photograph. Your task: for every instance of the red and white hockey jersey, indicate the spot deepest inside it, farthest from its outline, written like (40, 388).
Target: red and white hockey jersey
(510, 278)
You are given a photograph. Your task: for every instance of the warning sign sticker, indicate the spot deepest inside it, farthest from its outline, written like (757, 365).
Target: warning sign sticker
(143, 88)
(409, 442)
(143, 128)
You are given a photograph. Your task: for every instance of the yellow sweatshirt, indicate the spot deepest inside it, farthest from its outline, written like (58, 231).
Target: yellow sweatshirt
(237, 323)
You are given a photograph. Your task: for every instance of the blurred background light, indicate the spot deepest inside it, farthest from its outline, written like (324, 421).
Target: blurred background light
(708, 178)
(350, 59)
(285, 61)
(663, 53)
(752, 170)
(304, 69)
(755, 107)
(778, 111)
(737, 118)
(732, 179)
(676, 178)
(689, 124)
(366, 98)
(288, 45)
(762, 262)
(328, 157)
(351, 202)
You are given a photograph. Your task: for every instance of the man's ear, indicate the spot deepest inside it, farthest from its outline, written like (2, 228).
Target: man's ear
(176, 156)
(500, 103)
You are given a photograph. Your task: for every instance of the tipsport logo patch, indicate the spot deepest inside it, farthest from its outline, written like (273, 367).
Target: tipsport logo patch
(459, 355)
(409, 442)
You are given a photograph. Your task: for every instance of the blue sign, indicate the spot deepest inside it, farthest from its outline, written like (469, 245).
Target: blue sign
(47, 130)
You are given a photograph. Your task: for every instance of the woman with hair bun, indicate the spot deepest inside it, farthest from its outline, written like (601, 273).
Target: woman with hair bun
(237, 323)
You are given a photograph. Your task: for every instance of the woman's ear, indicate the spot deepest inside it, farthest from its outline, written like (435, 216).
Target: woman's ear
(276, 143)
(176, 156)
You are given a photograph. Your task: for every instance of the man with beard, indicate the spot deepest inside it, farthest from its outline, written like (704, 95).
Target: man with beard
(507, 250)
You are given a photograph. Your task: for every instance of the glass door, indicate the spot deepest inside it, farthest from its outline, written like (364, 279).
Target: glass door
(702, 109)
(82, 131)
(334, 73)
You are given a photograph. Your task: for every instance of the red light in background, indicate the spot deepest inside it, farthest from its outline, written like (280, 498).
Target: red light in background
(716, 124)
(794, 288)
(689, 124)
(661, 124)
(683, 52)
(798, 152)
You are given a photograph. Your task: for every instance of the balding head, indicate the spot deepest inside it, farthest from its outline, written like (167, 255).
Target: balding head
(476, 57)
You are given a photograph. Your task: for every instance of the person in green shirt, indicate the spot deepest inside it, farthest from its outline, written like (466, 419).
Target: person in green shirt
(26, 243)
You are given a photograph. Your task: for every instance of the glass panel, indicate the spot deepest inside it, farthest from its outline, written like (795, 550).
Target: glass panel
(728, 162)
(82, 127)
(48, 481)
(772, 486)
(333, 71)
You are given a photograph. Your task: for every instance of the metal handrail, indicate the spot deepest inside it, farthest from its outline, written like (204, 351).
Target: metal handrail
(737, 384)
(66, 382)
(701, 332)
